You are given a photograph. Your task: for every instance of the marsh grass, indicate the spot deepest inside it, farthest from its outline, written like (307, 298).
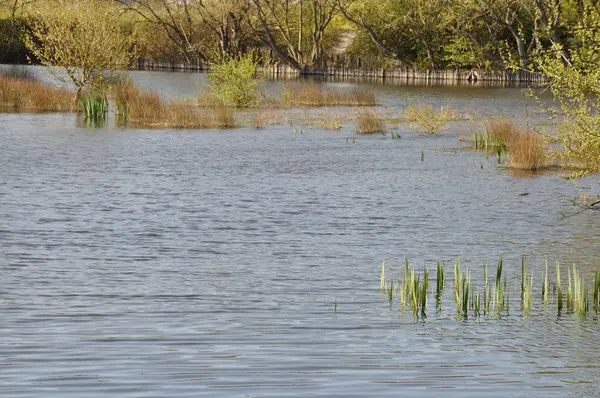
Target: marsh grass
(522, 149)
(474, 300)
(17, 95)
(311, 94)
(147, 109)
(94, 107)
(427, 119)
(368, 122)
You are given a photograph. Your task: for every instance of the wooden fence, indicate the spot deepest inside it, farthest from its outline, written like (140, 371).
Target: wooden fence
(393, 75)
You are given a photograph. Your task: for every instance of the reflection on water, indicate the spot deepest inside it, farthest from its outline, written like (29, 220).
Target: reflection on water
(207, 263)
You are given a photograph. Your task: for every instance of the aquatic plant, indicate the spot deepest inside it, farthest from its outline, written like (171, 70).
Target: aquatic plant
(94, 106)
(368, 122)
(147, 109)
(32, 96)
(522, 149)
(312, 94)
(427, 119)
(559, 294)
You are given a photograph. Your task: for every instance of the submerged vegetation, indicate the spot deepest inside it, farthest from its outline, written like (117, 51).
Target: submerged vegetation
(427, 119)
(472, 299)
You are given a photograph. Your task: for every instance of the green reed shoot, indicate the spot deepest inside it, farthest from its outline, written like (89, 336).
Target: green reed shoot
(527, 291)
(439, 285)
(466, 286)
(94, 107)
(457, 285)
(498, 297)
(580, 299)
(559, 294)
(423, 295)
(486, 290)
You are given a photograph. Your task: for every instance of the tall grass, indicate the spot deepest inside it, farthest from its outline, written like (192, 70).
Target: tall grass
(148, 109)
(427, 119)
(17, 95)
(311, 94)
(368, 122)
(94, 107)
(476, 300)
(523, 149)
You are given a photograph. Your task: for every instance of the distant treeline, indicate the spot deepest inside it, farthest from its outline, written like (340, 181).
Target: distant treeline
(422, 34)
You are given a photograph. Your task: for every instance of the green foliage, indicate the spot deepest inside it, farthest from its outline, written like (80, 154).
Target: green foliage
(79, 40)
(94, 107)
(234, 80)
(573, 73)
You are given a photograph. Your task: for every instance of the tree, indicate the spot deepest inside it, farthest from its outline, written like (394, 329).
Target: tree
(573, 74)
(79, 40)
(195, 26)
(281, 27)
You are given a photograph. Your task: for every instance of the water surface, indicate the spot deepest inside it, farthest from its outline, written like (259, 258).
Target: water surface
(173, 263)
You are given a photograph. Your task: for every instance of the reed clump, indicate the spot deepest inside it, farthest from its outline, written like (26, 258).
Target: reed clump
(427, 119)
(317, 95)
(368, 122)
(523, 149)
(18, 95)
(147, 109)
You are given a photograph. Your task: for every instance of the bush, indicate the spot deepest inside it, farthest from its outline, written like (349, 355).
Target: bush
(234, 81)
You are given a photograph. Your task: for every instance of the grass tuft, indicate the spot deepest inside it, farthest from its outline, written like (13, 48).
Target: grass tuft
(19, 95)
(368, 122)
(312, 94)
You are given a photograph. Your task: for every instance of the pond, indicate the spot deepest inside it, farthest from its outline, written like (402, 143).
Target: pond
(245, 262)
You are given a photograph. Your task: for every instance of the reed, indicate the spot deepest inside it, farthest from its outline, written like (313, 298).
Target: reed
(559, 294)
(147, 109)
(527, 294)
(311, 94)
(440, 273)
(523, 149)
(458, 284)
(427, 119)
(580, 294)
(17, 95)
(545, 286)
(382, 277)
(486, 290)
(498, 298)
(370, 123)
(569, 293)
(423, 293)
(94, 107)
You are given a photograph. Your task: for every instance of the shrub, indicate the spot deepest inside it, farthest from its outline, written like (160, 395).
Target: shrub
(233, 80)
(428, 119)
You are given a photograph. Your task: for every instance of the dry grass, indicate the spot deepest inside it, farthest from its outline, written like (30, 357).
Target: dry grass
(310, 94)
(18, 95)
(525, 149)
(368, 122)
(148, 109)
(331, 122)
(428, 119)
